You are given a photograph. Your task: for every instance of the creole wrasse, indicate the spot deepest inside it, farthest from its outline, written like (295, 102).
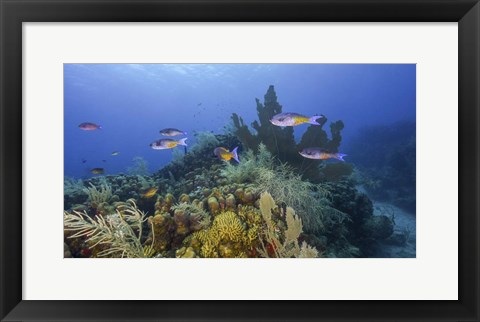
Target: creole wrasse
(294, 119)
(98, 171)
(150, 192)
(167, 144)
(320, 154)
(226, 155)
(89, 126)
(172, 132)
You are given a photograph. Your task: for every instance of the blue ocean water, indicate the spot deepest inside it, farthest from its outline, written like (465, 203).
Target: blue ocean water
(133, 102)
(351, 177)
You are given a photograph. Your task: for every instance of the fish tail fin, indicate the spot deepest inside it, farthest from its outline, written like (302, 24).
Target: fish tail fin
(235, 155)
(313, 119)
(100, 127)
(182, 141)
(339, 156)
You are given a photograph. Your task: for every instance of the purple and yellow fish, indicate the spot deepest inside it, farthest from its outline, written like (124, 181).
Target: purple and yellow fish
(172, 132)
(89, 126)
(150, 192)
(294, 119)
(321, 154)
(167, 144)
(226, 155)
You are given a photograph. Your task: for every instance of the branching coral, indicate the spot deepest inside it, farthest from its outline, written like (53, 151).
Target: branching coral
(287, 245)
(229, 227)
(116, 235)
(230, 235)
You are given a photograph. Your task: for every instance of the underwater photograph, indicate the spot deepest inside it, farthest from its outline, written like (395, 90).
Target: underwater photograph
(239, 161)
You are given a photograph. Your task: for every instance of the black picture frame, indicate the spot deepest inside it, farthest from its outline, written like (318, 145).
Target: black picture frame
(14, 12)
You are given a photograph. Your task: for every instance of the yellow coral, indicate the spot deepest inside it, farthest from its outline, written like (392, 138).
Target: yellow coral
(199, 235)
(229, 226)
(209, 250)
(274, 244)
(184, 198)
(213, 205)
(185, 252)
(252, 234)
(228, 237)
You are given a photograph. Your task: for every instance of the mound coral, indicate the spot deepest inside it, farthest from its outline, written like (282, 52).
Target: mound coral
(160, 237)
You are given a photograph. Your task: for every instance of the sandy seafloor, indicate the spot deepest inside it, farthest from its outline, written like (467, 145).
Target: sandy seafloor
(403, 220)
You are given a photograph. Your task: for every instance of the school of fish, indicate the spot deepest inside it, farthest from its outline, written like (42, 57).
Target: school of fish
(222, 153)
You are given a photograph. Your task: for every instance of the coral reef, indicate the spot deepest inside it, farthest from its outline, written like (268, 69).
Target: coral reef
(139, 167)
(248, 232)
(66, 251)
(223, 222)
(274, 203)
(362, 229)
(198, 168)
(73, 192)
(335, 171)
(275, 245)
(283, 183)
(226, 238)
(386, 158)
(98, 198)
(117, 235)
